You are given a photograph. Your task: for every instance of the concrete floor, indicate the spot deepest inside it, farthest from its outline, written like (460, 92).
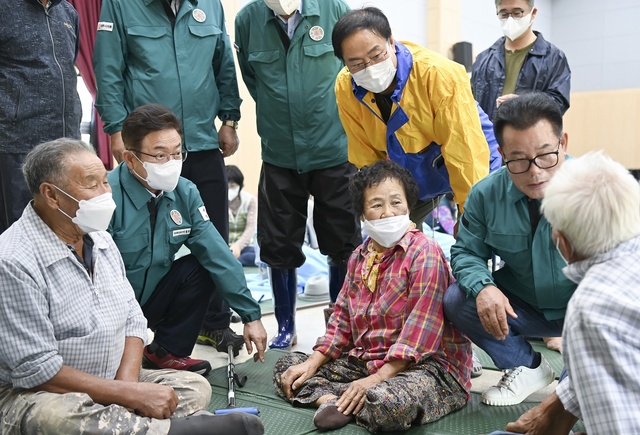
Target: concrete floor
(310, 321)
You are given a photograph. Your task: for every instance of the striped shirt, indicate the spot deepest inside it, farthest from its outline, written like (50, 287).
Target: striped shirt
(601, 347)
(53, 312)
(402, 318)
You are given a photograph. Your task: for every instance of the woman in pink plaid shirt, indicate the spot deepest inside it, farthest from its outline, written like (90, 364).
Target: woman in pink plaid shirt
(389, 358)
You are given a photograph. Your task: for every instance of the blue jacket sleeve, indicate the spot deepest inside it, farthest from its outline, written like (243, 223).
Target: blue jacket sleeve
(560, 86)
(495, 159)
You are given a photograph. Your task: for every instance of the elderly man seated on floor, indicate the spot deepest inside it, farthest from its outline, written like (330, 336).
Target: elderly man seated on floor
(72, 332)
(404, 362)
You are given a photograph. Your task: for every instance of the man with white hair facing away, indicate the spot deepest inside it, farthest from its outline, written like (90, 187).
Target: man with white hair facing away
(593, 206)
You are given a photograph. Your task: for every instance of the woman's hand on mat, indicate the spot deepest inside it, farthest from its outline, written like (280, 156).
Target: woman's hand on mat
(254, 332)
(493, 308)
(294, 376)
(352, 400)
(548, 418)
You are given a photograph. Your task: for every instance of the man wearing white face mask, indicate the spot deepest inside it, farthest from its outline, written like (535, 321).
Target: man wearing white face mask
(158, 212)
(400, 101)
(520, 61)
(72, 332)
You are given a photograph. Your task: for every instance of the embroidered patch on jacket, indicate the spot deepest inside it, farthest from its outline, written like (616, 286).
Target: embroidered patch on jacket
(176, 217)
(199, 15)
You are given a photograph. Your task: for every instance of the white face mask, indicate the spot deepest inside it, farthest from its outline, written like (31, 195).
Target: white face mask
(233, 193)
(387, 231)
(560, 252)
(94, 214)
(513, 28)
(161, 176)
(282, 7)
(376, 78)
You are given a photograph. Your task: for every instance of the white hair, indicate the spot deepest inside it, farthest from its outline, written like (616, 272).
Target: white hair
(594, 202)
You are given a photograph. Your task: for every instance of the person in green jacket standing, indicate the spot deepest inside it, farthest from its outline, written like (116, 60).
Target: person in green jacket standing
(176, 53)
(157, 212)
(286, 58)
(528, 296)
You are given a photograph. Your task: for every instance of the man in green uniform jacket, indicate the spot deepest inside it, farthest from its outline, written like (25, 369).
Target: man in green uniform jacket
(176, 53)
(157, 213)
(286, 57)
(528, 296)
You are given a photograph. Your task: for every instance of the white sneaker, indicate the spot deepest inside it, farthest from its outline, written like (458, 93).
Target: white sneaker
(476, 370)
(518, 383)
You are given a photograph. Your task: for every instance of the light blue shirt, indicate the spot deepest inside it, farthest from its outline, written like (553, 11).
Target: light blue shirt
(53, 313)
(291, 23)
(601, 350)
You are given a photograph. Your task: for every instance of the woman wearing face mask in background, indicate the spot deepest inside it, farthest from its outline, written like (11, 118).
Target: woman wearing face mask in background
(402, 102)
(403, 356)
(243, 211)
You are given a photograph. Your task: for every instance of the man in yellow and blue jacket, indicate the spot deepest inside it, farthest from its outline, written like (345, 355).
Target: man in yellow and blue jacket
(402, 102)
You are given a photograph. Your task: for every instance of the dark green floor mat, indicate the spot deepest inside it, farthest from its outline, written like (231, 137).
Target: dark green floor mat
(280, 418)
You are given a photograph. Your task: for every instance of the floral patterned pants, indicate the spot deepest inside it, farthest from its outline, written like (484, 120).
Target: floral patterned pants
(423, 393)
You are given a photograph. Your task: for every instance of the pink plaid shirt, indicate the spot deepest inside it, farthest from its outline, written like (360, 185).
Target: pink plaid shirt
(403, 318)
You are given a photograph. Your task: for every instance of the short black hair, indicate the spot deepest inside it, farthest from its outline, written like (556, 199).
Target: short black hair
(524, 111)
(359, 19)
(373, 175)
(145, 120)
(234, 174)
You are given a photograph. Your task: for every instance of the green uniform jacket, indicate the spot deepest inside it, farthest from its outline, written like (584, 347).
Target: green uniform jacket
(496, 220)
(181, 220)
(296, 109)
(140, 59)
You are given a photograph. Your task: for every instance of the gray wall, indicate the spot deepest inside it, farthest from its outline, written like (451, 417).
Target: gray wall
(601, 40)
(408, 22)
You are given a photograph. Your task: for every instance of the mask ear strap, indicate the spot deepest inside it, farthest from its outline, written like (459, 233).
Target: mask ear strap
(65, 193)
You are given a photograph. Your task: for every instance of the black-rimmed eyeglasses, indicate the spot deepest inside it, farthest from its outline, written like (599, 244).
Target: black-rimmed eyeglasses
(542, 161)
(165, 157)
(516, 13)
(372, 61)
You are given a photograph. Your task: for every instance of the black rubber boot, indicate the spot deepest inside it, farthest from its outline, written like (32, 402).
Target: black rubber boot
(337, 273)
(284, 284)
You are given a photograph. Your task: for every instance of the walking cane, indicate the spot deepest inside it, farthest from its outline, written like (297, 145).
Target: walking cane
(233, 380)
